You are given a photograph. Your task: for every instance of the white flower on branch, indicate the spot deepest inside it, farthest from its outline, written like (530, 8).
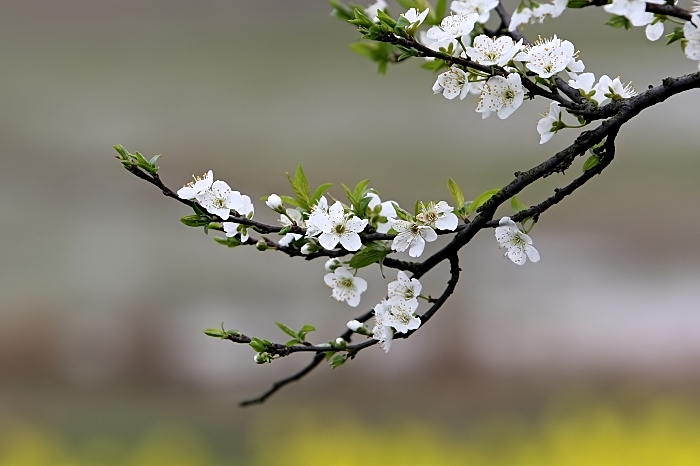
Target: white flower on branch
(550, 123)
(607, 89)
(414, 17)
(480, 7)
(493, 52)
(452, 83)
(654, 31)
(374, 8)
(274, 202)
(501, 95)
(585, 83)
(411, 236)
(691, 31)
(355, 325)
(404, 288)
(220, 200)
(451, 28)
(382, 212)
(538, 14)
(346, 287)
(245, 209)
(547, 57)
(519, 244)
(382, 331)
(438, 216)
(318, 212)
(401, 316)
(291, 217)
(634, 10)
(336, 226)
(194, 190)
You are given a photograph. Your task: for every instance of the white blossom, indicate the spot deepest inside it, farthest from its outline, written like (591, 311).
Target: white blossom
(691, 31)
(382, 331)
(519, 18)
(346, 287)
(245, 209)
(287, 239)
(194, 190)
(501, 95)
(654, 31)
(451, 28)
(634, 10)
(438, 216)
(411, 236)
(538, 14)
(414, 17)
(518, 244)
(374, 8)
(480, 7)
(355, 325)
(607, 89)
(547, 57)
(550, 123)
(274, 202)
(318, 213)
(452, 83)
(490, 52)
(336, 226)
(220, 199)
(404, 288)
(381, 212)
(585, 82)
(402, 316)
(291, 217)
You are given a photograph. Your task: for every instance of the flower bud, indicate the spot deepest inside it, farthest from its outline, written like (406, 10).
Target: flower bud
(274, 202)
(354, 325)
(309, 248)
(339, 343)
(262, 358)
(332, 264)
(261, 246)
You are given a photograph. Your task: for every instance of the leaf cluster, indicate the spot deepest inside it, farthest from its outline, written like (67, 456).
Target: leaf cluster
(298, 338)
(304, 199)
(132, 161)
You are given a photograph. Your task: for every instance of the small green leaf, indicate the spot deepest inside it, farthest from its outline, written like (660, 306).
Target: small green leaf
(577, 3)
(436, 65)
(287, 330)
(290, 200)
(320, 191)
(258, 345)
(402, 214)
(440, 10)
(386, 19)
(374, 251)
(214, 332)
(293, 342)
(231, 242)
(516, 205)
(676, 35)
(195, 220)
(338, 360)
(618, 21)
(456, 192)
(481, 200)
(591, 162)
(304, 330)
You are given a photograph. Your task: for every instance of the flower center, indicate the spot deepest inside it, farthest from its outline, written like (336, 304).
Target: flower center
(339, 229)
(346, 283)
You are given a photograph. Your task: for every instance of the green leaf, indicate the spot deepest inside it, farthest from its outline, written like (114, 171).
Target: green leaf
(386, 19)
(287, 330)
(456, 192)
(618, 21)
(360, 189)
(338, 360)
(258, 345)
(293, 342)
(440, 10)
(374, 251)
(591, 162)
(481, 200)
(214, 332)
(577, 3)
(436, 65)
(361, 19)
(676, 35)
(402, 214)
(340, 10)
(304, 330)
(195, 220)
(231, 242)
(516, 205)
(290, 200)
(320, 191)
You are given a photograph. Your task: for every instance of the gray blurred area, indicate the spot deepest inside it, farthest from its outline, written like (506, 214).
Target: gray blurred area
(104, 294)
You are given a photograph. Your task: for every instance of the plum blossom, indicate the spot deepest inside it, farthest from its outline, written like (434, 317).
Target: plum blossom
(346, 287)
(404, 288)
(401, 315)
(654, 31)
(519, 244)
(318, 212)
(451, 28)
(194, 190)
(382, 331)
(452, 83)
(480, 7)
(374, 8)
(550, 123)
(634, 10)
(691, 31)
(381, 212)
(493, 52)
(274, 202)
(414, 17)
(438, 216)
(501, 95)
(585, 83)
(537, 14)
(355, 325)
(548, 57)
(246, 210)
(220, 199)
(411, 236)
(332, 264)
(336, 226)
(291, 217)
(607, 89)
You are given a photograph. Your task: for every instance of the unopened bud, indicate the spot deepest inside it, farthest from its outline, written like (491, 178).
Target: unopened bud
(261, 246)
(262, 358)
(309, 248)
(332, 264)
(354, 325)
(339, 343)
(274, 202)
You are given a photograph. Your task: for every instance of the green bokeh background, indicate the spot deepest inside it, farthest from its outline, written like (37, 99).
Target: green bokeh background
(589, 357)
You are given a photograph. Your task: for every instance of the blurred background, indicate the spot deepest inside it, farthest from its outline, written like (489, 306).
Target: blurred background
(591, 356)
